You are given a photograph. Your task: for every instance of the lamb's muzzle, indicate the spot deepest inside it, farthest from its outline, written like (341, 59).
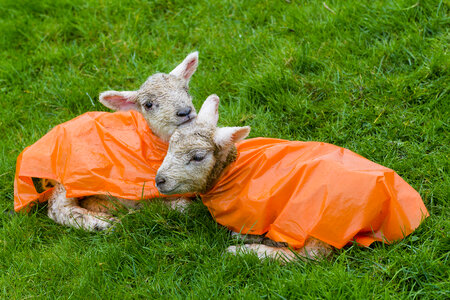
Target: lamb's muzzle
(159, 182)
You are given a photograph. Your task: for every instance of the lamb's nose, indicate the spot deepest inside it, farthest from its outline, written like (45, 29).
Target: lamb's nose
(184, 112)
(160, 180)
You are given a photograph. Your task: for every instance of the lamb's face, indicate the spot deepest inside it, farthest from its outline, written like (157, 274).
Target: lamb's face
(189, 160)
(165, 103)
(163, 99)
(198, 153)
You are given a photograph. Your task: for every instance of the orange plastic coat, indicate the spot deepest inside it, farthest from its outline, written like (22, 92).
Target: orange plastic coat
(293, 190)
(95, 153)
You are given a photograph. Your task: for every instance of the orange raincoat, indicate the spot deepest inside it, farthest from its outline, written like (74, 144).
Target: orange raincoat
(95, 153)
(293, 190)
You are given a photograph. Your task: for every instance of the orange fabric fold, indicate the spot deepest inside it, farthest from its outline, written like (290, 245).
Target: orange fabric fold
(96, 153)
(293, 190)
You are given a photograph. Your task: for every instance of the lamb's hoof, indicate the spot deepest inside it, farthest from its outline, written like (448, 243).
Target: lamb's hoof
(102, 225)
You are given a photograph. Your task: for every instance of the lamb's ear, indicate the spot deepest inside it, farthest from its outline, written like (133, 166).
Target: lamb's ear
(209, 113)
(187, 67)
(116, 100)
(229, 135)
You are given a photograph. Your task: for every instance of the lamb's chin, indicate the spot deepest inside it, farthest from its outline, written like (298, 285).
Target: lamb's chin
(179, 190)
(170, 191)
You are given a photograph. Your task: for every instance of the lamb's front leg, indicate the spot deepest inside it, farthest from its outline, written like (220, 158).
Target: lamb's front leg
(106, 203)
(179, 204)
(263, 251)
(313, 249)
(67, 211)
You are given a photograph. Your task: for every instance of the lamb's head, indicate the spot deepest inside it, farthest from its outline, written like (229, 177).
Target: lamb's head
(163, 99)
(198, 153)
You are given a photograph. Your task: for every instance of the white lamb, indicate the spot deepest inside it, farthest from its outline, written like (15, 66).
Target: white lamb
(165, 103)
(309, 195)
(197, 157)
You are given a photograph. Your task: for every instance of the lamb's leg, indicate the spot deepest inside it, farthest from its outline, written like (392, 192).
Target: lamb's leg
(67, 211)
(104, 203)
(96, 204)
(264, 251)
(179, 204)
(313, 249)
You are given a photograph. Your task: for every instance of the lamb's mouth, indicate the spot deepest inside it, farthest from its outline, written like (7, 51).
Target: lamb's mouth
(168, 192)
(186, 120)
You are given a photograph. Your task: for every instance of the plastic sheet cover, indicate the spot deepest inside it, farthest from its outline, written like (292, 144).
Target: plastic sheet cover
(294, 190)
(96, 153)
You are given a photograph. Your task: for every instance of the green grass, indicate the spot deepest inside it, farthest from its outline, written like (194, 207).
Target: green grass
(373, 78)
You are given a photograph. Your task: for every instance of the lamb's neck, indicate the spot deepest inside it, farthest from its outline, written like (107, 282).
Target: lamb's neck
(220, 166)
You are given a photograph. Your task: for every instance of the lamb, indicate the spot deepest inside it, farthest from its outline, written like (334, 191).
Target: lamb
(165, 104)
(197, 157)
(310, 196)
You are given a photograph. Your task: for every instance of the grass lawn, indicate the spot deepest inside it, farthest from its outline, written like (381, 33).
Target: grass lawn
(371, 76)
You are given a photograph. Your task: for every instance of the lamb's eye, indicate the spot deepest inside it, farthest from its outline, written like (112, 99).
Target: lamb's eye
(198, 157)
(148, 105)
